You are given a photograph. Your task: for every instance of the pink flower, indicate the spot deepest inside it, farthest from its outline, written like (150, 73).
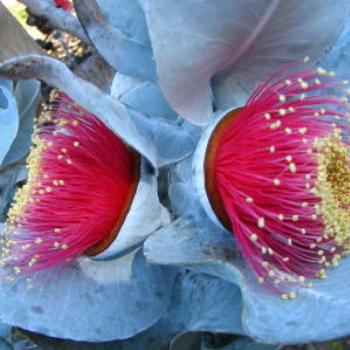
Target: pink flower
(64, 4)
(277, 173)
(82, 180)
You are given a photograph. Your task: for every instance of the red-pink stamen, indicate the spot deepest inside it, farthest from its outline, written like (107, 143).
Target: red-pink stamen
(272, 173)
(80, 184)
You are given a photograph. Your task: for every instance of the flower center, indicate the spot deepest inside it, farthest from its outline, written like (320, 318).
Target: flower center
(333, 187)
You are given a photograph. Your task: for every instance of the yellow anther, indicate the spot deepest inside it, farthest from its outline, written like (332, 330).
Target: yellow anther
(321, 71)
(281, 98)
(275, 125)
(261, 222)
(295, 217)
(276, 182)
(282, 112)
(254, 237)
(292, 168)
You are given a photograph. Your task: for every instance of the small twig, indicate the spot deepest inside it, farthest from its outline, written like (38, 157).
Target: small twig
(58, 18)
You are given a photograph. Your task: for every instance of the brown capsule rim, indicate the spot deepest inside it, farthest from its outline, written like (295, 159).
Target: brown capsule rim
(209, 168)
(107, 242)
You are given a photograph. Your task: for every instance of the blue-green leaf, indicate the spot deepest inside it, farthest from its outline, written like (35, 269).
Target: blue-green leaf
(93, 301)
(9, 121)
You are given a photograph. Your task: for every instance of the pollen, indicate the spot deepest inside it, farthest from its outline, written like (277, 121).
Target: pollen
(295, 217)
(276, 125)
(254, 237)
(333, 187)
(321, 71)
(261, 222)
(282, 112)
(282, 98)
(292, 168)
(276, 182)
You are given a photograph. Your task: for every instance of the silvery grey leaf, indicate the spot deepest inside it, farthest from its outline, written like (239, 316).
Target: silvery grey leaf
(8, 84)
(247, 39)
(148, 99)
(198, 303)
(88, 96)
(338, 59)
(207, 249)
(5, 329)
(126, 16)
(122, 38)
(187, 341)
(293, 32)
(154, 118)
(9, 122)
(172, 142)
(4, 345)
(93, 301)
(122, 84)
(191, 341)
(27, 93)
(95, 70)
